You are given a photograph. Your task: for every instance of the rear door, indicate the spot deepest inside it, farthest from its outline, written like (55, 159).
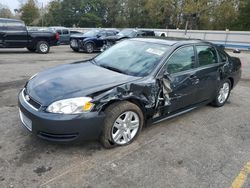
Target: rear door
(208, 72)
(16, 34)
(182, 74)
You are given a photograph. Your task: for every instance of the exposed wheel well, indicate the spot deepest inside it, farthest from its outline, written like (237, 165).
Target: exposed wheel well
(134, 101)
(87, 42)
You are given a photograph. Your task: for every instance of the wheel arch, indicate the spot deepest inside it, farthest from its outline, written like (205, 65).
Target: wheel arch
(41, 39)
(231, 81)
(132, 100)
(88, 41)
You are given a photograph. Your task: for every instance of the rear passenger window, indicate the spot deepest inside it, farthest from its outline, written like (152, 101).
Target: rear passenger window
(206, 55)
(223, 57)
(15, 26)
(65, 32)
(182, 60)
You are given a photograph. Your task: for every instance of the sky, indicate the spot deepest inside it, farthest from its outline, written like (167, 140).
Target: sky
(13, 4)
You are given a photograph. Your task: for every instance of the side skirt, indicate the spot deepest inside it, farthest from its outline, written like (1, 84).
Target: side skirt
(174, 115)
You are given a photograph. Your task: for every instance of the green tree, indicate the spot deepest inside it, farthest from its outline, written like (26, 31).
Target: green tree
(5, 12)
(223, 15)
(53, 15)
(164, 13)
(30, 12)
(243, 21)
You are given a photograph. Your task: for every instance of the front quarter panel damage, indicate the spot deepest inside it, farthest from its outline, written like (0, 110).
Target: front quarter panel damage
(150, 95)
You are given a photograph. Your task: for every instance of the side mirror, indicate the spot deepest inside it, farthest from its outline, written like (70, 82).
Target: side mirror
(166, 74)
(98, 36)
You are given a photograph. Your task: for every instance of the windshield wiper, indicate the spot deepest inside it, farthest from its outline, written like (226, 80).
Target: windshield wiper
(112, 68)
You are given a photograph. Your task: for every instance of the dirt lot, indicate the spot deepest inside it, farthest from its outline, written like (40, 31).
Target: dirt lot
(207, 147)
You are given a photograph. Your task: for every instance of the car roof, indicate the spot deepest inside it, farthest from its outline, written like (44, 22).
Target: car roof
(170, 41)
(11, 20)
(58, 27)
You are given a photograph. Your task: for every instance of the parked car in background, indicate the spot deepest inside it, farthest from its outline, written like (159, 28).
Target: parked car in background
(14, 34)
(126, 34)
(161, 34)
(112, 96)
(64, 34)
(73, 32)
(37, 28)
(90, 41)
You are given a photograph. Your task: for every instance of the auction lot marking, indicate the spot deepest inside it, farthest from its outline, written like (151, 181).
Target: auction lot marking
(241, 178)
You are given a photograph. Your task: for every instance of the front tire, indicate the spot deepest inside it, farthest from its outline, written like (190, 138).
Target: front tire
(222, 94)
(89, 47)
(122, 125)
(43, 47)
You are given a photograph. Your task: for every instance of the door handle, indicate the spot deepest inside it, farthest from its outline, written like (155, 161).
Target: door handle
(195, 80)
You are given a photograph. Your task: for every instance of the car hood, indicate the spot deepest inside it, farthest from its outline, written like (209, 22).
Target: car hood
(115, 37)
(78, 36)
(73, 80)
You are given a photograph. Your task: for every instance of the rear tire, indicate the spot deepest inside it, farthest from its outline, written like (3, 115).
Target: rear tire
(129, 128)
(222, 94)
(43, 47)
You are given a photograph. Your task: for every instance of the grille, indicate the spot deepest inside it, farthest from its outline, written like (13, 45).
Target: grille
(31, 101)
(58, 137)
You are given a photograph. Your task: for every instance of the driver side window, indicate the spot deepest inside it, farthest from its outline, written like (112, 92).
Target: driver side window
(102, 34)
(182, 60)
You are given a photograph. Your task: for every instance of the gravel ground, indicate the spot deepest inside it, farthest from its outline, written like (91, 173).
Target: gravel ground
(204, 148)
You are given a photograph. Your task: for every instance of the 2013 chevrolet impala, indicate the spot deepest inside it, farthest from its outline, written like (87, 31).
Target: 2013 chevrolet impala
(112, 96)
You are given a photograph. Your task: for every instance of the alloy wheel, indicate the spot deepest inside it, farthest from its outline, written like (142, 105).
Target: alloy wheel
(43, 47)
(224, 93)
(125, 128)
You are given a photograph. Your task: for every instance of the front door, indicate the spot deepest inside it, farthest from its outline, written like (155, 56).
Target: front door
(16, 34)
(182, 75)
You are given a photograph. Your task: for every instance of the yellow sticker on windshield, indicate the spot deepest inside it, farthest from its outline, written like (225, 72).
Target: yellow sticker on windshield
(155, 51)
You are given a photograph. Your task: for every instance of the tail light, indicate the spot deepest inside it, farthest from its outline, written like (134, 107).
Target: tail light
(57, 36)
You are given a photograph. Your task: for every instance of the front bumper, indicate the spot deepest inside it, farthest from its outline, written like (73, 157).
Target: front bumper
(59, 127)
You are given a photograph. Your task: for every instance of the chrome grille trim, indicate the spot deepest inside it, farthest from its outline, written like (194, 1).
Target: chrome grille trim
(27, 101)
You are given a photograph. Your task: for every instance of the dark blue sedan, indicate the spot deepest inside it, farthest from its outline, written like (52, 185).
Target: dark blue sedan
(90, 41)
(135, 82)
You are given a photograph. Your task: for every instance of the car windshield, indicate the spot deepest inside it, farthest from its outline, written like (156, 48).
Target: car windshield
(91, 33)
(127, 33)
(135, 58)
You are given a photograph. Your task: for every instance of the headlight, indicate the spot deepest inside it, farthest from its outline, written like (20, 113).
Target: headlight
(71, 106)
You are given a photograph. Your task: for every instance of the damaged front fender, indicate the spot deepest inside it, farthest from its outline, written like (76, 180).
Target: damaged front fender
(149, 93)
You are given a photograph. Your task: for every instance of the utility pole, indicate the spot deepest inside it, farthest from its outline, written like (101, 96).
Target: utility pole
(42, 14)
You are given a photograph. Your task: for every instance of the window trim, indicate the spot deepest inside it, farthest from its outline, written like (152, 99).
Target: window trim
(197, 58)
(161, 69)
(223, 53)
(63, 30)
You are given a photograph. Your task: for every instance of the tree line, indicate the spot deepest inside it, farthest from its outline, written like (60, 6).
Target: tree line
(172, 14)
